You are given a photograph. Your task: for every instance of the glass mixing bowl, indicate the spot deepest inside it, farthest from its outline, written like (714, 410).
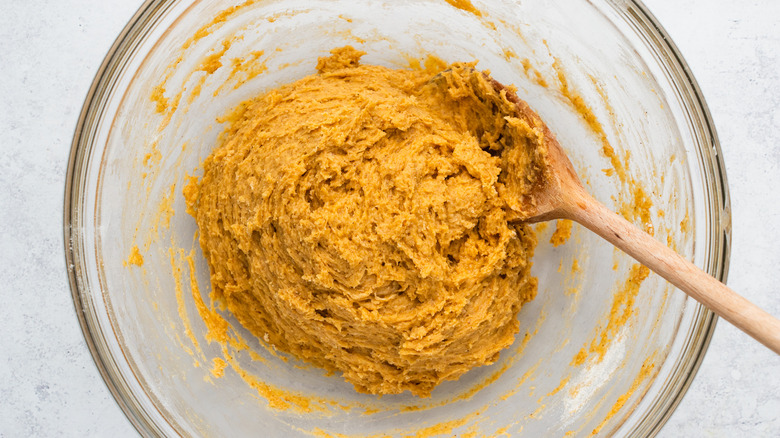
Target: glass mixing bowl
(599, 352)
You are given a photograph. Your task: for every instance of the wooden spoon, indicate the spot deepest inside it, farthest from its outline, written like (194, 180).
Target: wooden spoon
(563, 197)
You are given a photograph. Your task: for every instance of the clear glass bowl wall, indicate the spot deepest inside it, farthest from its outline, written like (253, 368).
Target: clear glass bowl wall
(613, 53)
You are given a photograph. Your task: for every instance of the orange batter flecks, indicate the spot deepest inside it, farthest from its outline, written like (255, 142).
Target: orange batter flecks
(645, 372)
(465, 5)
(533, 73)
(135, 257)
(562, 232)
(621, 310)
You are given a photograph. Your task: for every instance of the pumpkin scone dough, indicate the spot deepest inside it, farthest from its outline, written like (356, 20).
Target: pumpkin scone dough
(363, 219)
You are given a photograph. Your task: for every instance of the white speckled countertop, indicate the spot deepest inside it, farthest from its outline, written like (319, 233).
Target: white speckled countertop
(50, 51)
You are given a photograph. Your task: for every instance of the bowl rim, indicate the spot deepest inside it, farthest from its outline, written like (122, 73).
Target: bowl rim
(144, 19)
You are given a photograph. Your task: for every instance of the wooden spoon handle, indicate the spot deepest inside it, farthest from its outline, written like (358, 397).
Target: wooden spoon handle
(680, 272)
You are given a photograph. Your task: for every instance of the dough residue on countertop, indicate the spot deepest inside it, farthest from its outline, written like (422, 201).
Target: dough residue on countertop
(365, 219)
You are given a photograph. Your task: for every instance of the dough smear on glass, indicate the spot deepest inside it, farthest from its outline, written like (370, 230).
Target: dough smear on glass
(365, 219)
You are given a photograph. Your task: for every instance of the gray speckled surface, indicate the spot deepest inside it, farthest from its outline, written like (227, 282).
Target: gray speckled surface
(50, 50)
